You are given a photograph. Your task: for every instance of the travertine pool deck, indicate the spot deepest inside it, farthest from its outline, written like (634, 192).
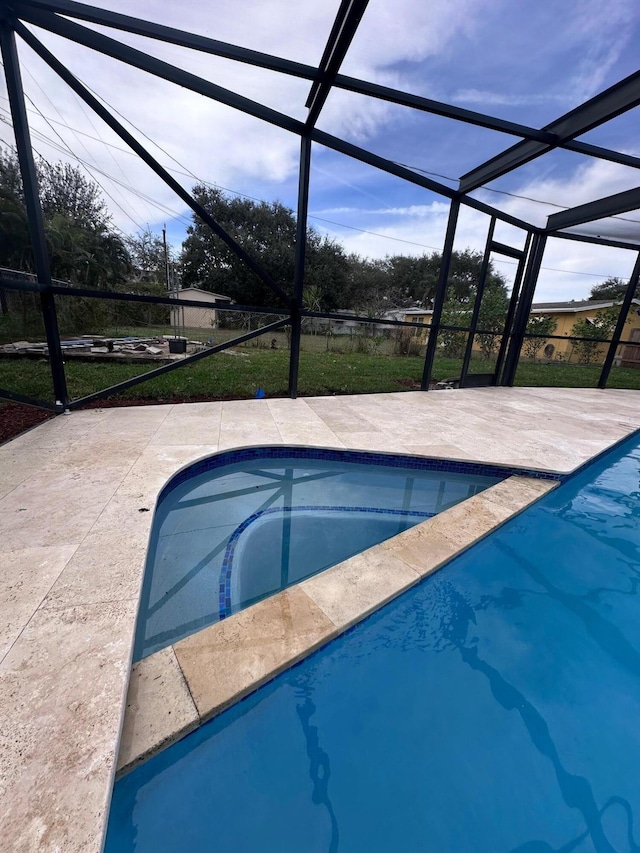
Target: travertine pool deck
(76, 505)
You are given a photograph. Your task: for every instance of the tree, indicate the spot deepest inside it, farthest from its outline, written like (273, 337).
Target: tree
(601, 327)
(537, 325)
(327, 272)
(83, 246)
(65, 191)
(612, 288)
(491, 319)
(462, 289)
(266, 231)
(452, 342)
(146, 251)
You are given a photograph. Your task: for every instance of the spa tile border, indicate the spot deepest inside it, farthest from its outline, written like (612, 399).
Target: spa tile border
(224, 588)
(359, 457)
(177, 689)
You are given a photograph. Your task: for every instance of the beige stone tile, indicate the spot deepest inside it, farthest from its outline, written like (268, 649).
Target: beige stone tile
(126, 515)
(26, 577)
(422, 548)
(159, 709)
(6, 486)
(131, 421)
(103, 568)
(439, 451)
(156, 465)
(116, 455)
(226, 661)
(355, 588)
(56, 432)
(298, 424)
(61, 689)
(469, 521)
(19, 463)
(517, 493)
(58, 482)
(376, 441)
(191, 423)
(248, 437)
(311, 437)
(54, 508)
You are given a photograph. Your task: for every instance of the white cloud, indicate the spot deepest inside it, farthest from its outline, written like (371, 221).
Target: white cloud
(482, 96)
(226, 147)
(218, 143)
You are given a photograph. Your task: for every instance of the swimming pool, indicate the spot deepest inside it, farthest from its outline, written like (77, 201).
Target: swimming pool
(493, 707)
(237, 527)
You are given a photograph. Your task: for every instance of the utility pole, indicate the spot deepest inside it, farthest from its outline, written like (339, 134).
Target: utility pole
(166, 257)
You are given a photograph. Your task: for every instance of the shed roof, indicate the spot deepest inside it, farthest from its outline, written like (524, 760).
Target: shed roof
(575, 305)
(205, 295)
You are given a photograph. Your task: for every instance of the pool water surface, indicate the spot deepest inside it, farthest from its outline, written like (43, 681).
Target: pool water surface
(227, 537)
(493, 707)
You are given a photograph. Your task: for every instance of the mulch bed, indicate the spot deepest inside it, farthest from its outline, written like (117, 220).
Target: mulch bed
(15, 418)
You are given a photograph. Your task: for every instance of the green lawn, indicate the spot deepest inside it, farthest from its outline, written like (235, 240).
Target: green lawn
(240, 375)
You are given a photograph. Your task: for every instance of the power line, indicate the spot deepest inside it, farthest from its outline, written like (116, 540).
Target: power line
(68, 147)
(512, 195)
(188, 173)
(162, 207)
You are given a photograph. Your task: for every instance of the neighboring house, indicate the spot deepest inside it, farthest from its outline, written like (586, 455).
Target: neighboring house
(349, 326)
(196, 317)
(419, 316)
(566, 314)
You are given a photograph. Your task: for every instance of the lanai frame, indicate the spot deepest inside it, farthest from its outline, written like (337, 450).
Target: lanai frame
(61, 18)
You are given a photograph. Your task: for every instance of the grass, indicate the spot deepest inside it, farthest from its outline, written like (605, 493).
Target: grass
(241, 374)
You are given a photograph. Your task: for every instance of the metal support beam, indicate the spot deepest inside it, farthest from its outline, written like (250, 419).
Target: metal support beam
(298, 279)
(144, 155)
(176, 365)
(214, 47)
(427, 105)
(611, 205)
(476, 204)
(170, 35)
(441, 292)
(344, 29)
(596, 241)
(34, 209)
(503, 249)
(145, 62)
(381, 163)
(616, 100)
(524, 308)
(466, 361)
(513, 302)
(619, 329)
(14, 397)
(601, 153)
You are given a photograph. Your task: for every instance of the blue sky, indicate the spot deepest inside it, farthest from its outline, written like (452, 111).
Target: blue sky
(527, 62)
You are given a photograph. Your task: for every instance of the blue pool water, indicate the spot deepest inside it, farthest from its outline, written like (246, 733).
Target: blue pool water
(494, 707)
(225, 537)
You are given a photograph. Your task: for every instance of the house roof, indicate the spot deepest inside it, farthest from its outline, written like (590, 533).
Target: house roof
(574, 306)
(205, 295)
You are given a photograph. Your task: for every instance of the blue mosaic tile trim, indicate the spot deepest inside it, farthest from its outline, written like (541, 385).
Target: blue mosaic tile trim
(224, 588)
(358, 457)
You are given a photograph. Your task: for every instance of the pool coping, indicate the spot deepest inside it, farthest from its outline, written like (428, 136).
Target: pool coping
(172, 692)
